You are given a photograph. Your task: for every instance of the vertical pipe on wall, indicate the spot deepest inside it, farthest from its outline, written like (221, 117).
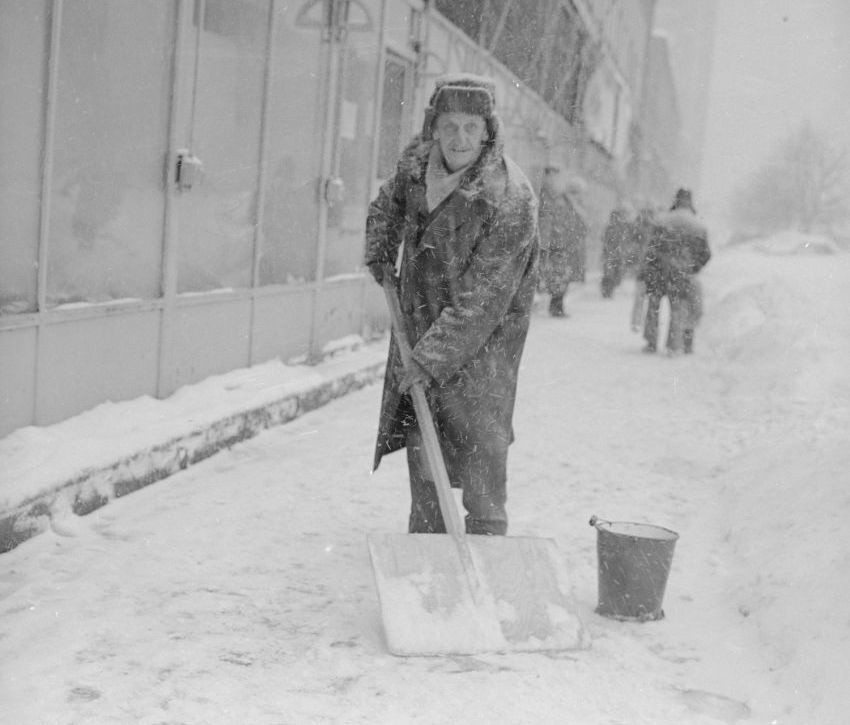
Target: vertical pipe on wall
(423, 93)
(376, 131)
(378, 96)
(44, 210)
(47, 152)
(262, 174)
(200, 8)
(332, 61)
(337, 72)
(165, 371)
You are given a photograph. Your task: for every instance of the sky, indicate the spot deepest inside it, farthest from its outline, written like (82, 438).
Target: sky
(776, 63)
(240, 590)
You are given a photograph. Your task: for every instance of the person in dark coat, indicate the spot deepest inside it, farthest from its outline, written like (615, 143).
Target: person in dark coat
(562, 236)
(677, 251)
(458, 219)
(615, 241)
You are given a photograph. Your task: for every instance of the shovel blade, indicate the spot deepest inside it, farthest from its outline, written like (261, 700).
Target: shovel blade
(429, 607)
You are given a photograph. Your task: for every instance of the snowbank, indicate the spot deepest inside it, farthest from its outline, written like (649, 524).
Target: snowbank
(780, 330)
(113, 449)
(790, 242)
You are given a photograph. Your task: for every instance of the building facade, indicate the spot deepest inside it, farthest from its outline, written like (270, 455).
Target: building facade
(184, 183)
(688, 26)
(658, 171)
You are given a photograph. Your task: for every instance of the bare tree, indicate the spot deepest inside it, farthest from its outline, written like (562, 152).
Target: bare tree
(803, 185)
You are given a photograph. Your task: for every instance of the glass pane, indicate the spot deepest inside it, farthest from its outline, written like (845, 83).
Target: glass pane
(110, 141)
(24, 33)
(218, 215)
(291, 214)
(356, 115)
(391, 134)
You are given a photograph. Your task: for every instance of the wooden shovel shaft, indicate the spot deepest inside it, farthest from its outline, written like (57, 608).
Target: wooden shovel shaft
(431, 443)
(434, 454)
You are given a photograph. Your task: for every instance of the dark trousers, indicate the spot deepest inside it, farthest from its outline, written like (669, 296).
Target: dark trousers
(479, 467)
(555, 270)
(685, 314)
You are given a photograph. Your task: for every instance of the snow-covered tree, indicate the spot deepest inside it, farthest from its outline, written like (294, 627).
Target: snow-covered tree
(803, 185)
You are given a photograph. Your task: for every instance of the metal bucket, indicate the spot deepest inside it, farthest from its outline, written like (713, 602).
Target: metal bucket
(634, 563)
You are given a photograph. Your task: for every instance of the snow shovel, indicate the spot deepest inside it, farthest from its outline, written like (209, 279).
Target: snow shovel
(455, 593)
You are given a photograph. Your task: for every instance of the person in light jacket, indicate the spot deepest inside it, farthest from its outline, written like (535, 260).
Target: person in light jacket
(678, 250)
(641, 231)
(458, 219)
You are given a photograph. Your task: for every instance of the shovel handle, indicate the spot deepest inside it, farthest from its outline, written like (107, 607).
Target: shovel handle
(430, 440)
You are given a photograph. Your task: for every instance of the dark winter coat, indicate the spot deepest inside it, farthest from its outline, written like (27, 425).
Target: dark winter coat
(641, 231)
(615, 240)
(562, 239)
(678, 249)
(467, 280)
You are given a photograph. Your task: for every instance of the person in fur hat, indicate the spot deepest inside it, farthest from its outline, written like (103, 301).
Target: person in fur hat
(458, 220)
(615, 240)
(562, 235)
(677, 251)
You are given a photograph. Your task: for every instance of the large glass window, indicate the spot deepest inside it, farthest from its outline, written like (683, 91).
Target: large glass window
(107, 201)
(354, 139)
(291, 215)
(218, 216)
(300, 111)
(24, 33)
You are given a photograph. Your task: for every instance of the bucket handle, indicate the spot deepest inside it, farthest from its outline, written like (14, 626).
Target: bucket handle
(595, 520)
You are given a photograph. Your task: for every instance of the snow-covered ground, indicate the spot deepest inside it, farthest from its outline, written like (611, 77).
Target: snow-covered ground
(240, 590)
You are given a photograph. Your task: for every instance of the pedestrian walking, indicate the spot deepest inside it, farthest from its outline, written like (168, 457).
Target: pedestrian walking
(562, 235)
(458, 220)
(641, 231)
(677, 251)
(615, 241)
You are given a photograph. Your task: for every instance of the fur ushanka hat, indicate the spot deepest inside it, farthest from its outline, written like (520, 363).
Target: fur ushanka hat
(463, 93)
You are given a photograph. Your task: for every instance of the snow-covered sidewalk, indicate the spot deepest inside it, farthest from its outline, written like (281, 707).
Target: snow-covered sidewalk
(240, 590)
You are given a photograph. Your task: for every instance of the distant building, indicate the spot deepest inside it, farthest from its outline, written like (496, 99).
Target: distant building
(659, 133)
(689, 27)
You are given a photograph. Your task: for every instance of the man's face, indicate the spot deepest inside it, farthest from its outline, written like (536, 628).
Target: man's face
(460, 136)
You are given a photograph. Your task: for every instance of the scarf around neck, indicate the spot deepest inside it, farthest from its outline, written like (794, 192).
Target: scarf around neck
(439, 181)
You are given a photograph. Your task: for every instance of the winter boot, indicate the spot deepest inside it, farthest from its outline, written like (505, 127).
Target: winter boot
(556, 306)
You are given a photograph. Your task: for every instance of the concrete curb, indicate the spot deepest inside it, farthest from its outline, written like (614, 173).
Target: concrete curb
(95, 487)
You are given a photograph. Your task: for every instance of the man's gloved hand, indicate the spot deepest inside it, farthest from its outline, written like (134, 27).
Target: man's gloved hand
(381, 271)
(414, 374)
